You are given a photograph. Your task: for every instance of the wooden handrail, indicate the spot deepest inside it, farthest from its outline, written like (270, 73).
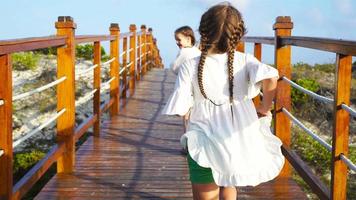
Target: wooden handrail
(93, 38)
(64, 152)
(344, 47)
(29, 44)
(261, 40)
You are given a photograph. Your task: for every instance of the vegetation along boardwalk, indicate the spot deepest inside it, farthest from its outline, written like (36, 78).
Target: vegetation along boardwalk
(137, 156)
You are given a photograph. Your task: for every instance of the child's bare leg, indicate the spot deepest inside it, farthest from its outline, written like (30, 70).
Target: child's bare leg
(208, 191)
(228, 193)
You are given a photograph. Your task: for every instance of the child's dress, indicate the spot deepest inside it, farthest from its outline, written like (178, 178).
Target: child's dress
(240, 148)
(183, 55)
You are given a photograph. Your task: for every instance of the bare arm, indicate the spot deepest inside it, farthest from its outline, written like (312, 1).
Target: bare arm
(269, 92)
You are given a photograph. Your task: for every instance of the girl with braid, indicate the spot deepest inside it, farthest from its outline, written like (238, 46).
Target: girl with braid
(228, 144)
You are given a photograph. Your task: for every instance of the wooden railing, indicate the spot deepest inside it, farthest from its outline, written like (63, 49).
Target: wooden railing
(143, 55)
(344, 50)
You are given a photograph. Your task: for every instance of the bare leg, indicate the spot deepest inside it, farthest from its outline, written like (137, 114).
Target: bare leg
(228, 193)
(208, 191)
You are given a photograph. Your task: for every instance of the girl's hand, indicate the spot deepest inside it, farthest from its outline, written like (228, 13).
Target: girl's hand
(262, 111)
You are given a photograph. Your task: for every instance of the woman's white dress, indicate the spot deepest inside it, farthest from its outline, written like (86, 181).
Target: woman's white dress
(183, 55)
(240, 148)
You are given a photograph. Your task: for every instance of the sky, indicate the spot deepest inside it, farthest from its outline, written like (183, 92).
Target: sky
(313, 18)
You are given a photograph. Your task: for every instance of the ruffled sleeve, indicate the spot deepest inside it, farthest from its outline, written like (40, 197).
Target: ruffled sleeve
(181, 100)
(257, 72)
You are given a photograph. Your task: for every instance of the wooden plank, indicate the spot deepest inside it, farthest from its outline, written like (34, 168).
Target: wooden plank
(93, 38)
(137, 156)
(6, 127)
(282, 125)
(345, 47)
(139, 53)
(261, 40)
(114, 69)
(341, 127)
(97, 83)
(84, 126)
(65, 94)
(306, 173)
(37, 171)
(29, 44)
(132, 69)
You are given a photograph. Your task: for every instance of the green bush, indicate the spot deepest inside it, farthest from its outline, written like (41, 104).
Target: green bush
(298, 97)
(86, 51)
(47, 51)
(328, 68)
(23, 161)
(25, 61)
(301, 65)
(312, 152)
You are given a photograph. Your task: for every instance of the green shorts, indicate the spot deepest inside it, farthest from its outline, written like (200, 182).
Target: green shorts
(198, 174)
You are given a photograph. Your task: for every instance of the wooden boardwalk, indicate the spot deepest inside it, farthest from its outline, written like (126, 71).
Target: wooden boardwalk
(137, 156)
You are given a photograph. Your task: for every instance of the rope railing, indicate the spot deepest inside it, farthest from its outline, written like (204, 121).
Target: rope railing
(107, 83)
(351, 111)
(40, 89)
(314, 95)
(84, 72)
(348, 162)
(142, 45)
(108, 62)
(85, 98)
(311, 133)
(38, 129)
(130, 50)
(122, 54)
(122, 70)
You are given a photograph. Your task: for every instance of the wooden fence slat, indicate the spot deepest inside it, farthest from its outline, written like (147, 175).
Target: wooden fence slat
(132, 59)
(66, 94)
(341, 126)
(6, 127)
(114, 69)
(97, 82)
(144, 49)
(282, 125)
(258, 54)
(124, 65)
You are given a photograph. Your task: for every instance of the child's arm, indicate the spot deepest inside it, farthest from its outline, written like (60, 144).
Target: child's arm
(269, 91)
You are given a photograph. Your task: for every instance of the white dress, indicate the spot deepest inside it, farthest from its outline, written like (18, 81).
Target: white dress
(240, 148)
(183, 55)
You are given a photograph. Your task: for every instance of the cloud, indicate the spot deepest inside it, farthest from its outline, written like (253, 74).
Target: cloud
(239, 4)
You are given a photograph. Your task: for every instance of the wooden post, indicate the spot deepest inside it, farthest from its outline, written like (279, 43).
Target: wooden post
(282, 125)
(144, 49)
(138, 59)
(97, 82)
(114, 69)
(124, 65)
(150, 48)
(258, 54)
(6, 127)
(341, 126)
(240, 47)
(66, 94)
(132, 58)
